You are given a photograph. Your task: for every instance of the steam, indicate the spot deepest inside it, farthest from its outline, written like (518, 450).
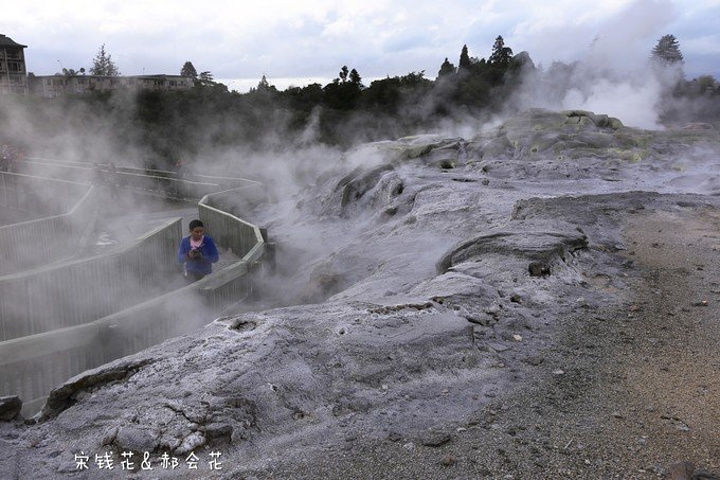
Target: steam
(633, 97)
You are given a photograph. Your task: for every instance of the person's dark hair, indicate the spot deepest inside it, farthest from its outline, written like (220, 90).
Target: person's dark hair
(194, 224)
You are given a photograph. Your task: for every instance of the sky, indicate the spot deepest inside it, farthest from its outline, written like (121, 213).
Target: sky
(298, 42)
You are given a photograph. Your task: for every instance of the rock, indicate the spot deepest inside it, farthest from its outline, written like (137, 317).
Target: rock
(218, 430)
(435, 439)
(448, 460)
(537, 269)
(137, 439)
(10, 407)
(190, 443)
(534, 360)
(358, 182)
(680, 471)
(67, 394)
(498, 347)
(704, 475)
(541, 242)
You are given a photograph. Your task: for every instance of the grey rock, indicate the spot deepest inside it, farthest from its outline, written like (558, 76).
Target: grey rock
(435, 439)
(10, 407)
(136, 438)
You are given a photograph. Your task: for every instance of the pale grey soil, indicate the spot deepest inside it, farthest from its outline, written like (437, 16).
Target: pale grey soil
(625, 392)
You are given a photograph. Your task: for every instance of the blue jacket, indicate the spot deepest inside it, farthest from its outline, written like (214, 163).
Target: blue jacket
(209, 256)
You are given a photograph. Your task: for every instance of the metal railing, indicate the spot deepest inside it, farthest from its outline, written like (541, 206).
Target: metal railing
(70, 209)
(30, 366)
(164, 183)
(80, 291)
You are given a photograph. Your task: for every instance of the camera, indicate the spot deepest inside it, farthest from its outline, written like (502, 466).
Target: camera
(195, 254)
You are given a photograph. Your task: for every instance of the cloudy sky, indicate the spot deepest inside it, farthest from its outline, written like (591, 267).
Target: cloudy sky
(302, 41)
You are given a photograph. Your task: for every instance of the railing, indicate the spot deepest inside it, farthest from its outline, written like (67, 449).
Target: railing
(31, 366)
(221, 212)
(71, 208)
(169, 184)
(84, 290)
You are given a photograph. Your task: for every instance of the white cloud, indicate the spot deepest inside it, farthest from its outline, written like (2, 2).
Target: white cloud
(313, 38)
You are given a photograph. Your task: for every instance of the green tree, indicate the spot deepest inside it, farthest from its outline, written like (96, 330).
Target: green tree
(706, 84)
(103, 64)
(71, 72)
(188, 70)
(446, 68)
(206, 79)
(263, 84)
(667, 51)
(343, 74)
(465, 62)
(355, 77)
(501, 55)
(342, 94)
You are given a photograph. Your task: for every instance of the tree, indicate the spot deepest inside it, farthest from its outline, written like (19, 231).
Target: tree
(103, 64)
(355, 77)
(188, 70)
(206, 78)
(446, 68)
(264, 86)
(706, 84)
(501, 54)
(71, 72)
(343, 74)
(465, 62)
(667, 51)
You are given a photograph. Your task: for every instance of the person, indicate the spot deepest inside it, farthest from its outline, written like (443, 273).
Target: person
(197, 252)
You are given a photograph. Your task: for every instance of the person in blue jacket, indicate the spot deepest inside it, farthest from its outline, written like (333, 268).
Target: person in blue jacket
(197, 252)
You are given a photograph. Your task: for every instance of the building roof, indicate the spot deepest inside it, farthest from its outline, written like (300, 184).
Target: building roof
(9, 42)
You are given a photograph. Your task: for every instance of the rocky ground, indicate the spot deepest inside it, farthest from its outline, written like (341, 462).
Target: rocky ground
(627, 390)
(538, 302)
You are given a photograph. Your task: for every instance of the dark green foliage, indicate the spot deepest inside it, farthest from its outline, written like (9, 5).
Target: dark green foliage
(464, 63)
(501, 54)
(341, 95)
(355, 78)
(163, 127)
(446, 68)
(188, 70)
(103, 64)
(667, 51)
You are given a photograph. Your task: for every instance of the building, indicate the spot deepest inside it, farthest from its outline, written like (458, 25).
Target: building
(51, 86)
(13, 72)
(14, 78)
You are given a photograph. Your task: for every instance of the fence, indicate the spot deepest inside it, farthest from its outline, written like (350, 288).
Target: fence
(31, 366)
(141, 180)
(81, 291)
(70, 207)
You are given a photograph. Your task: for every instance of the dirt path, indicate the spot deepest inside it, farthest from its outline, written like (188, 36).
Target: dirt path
(639, 392)
(671, 372)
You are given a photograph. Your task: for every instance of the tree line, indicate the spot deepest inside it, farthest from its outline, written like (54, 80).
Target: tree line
(169, 125)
